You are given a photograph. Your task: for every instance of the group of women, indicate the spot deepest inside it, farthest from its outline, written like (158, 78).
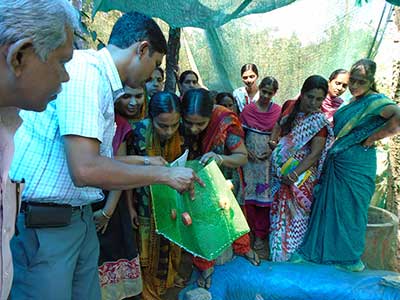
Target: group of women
(303, 173)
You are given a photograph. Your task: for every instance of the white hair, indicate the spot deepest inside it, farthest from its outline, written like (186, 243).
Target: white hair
(45, 21)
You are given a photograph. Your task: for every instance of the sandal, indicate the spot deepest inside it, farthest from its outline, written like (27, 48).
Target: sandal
(179, 281)
(204, 280)
(252, 257)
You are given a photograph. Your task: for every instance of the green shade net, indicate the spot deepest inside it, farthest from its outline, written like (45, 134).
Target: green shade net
(289, 40)
(194, 13)
(291, 43)
(213, 227)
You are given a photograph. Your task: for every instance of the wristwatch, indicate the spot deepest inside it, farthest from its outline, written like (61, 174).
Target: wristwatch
(146, 160)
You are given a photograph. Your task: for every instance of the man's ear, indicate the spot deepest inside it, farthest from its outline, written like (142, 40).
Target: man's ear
(143, 48)
(17, 54)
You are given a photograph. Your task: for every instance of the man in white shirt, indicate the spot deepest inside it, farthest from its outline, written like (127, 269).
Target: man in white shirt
(65, 156)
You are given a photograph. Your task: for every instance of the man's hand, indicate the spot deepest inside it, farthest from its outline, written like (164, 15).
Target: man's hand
(157, 161)
(183, 179)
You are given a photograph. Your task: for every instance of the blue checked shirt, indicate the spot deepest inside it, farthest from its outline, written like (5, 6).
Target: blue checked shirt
(85, 107)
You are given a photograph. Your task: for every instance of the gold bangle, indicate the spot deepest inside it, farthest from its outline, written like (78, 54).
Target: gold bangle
(105, 215)
(272, 144)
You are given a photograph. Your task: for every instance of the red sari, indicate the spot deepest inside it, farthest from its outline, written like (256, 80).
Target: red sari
(223, 134)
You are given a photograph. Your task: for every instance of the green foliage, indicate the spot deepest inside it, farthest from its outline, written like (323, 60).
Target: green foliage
(96, 31)
(380, 196)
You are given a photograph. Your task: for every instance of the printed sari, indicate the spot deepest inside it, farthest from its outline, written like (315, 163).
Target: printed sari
(119, 268)
(159, 258)
(292, 204)
(223, 134)
(338, 221)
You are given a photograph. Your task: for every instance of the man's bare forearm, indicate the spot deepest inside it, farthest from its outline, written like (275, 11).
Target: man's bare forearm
(110, 174)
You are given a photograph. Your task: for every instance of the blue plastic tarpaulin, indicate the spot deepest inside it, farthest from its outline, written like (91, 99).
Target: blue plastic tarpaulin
(239, 280)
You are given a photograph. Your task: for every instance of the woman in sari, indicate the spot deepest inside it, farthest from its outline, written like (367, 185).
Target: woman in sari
(227, 100)
(116, 218)
(338, 221)
(188, 80)
(134, 108)
(157, 136)
(249, 92)
(296, 164)
(258, 119)
(337, 85)
(214, 132)
(156, 82)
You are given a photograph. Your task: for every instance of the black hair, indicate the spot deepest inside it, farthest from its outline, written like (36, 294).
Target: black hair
(312, 82)
(221, 96)
(164, 102)
(336, 73)
(135, 27)
(249, 67)
(197, 102)
(159, 69)
(269, 80)
(182, 77)
(370, 69)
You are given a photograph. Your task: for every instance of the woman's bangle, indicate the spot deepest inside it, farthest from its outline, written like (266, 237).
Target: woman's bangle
(272, 144)
(105, 215)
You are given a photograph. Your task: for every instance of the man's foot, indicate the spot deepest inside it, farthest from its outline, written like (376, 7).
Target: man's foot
(356, 267)
(252, 257)
(204, 280)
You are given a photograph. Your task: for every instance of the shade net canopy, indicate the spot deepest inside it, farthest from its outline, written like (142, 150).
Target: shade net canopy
(193, 13)
(289, 40)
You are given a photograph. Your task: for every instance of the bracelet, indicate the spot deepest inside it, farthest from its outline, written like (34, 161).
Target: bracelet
(272, 144)
(105, 215)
